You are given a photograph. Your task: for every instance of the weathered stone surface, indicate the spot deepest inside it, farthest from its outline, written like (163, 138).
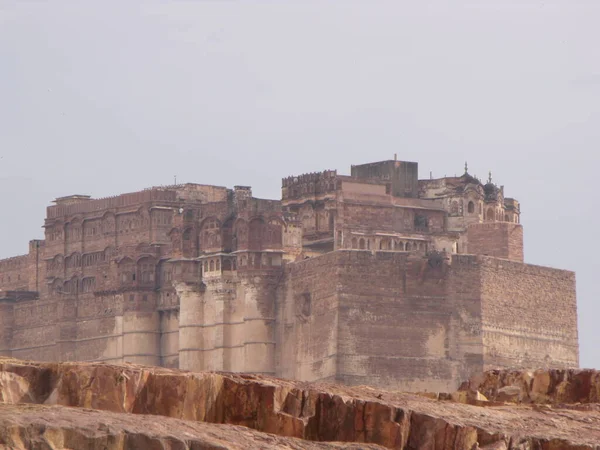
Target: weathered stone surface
(552, 386)
(313, 412)
(56, 427)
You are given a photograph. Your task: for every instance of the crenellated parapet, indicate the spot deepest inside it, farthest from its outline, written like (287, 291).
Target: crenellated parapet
(309, 185)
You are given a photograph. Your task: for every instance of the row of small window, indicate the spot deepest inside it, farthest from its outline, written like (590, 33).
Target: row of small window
(132, 297)
(492, 214)
(74, 286)
(245, 261)
(264, 260)
(214, 265)
(132, 277)
(9, 279)
(77, 260)
(387, 244)
(106, 229)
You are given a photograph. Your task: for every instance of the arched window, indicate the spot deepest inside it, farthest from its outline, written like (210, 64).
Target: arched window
(218, 264)
(490, 215)
(354, 243)
(361, 244)
(471, 207)
(206, 266)
(506, 219)
(407, 248)
(212, 265)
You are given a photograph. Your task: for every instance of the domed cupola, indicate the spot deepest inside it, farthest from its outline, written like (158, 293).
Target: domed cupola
(491, 190)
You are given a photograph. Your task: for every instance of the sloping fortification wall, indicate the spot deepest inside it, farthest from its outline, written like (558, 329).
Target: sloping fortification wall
(113, 327)
(307, 315)
(405, 323)
(529, 315)
(379, 318)
(229, 323)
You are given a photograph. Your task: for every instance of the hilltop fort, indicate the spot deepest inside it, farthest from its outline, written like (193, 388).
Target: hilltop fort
(373, 278)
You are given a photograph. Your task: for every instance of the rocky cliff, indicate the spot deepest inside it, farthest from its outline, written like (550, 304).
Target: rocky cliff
(99, 406)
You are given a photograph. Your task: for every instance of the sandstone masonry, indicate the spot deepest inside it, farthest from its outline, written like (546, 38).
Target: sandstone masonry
(374, 278)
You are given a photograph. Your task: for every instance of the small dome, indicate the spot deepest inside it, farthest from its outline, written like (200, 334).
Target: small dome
(491, 191)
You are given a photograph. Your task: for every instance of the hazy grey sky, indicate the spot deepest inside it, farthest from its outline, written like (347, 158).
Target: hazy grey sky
(108, 97)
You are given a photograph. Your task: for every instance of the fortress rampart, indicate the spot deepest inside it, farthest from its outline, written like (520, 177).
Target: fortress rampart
(374, 278)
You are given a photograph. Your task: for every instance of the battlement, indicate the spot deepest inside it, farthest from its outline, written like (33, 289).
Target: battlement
(83, 204)
(308, 178)
(14, 263)
(308, 184)
(117, 201)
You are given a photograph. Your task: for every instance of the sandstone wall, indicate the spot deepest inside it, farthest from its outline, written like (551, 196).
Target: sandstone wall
(499, 239)
(115, 327)
(400, 324)
(228, 323)
(397, 320)
(169, 338)
(307, 319)
(14, 273)
(379, 318)
(529, 315)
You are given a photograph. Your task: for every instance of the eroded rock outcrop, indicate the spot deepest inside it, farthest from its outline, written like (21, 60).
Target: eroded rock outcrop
(56, 427)
(312, 412)
(553, 386)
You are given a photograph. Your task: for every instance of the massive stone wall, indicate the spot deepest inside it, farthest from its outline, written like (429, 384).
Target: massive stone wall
(14, 273)
(307, 319)
(403, 321)
(529, 315)
(400, 325)
(499, 239)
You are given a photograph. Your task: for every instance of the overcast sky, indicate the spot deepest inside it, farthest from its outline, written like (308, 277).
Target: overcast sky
(108, 97)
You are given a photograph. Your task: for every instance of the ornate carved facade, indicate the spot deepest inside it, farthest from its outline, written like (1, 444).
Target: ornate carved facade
(375, 277)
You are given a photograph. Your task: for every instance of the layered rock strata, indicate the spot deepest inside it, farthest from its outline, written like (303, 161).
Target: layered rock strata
(311, 412)
(42, 427)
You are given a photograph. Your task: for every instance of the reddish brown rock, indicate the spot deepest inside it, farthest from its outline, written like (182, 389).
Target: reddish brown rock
(553, 386)
(56, 427)
(315, 412)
